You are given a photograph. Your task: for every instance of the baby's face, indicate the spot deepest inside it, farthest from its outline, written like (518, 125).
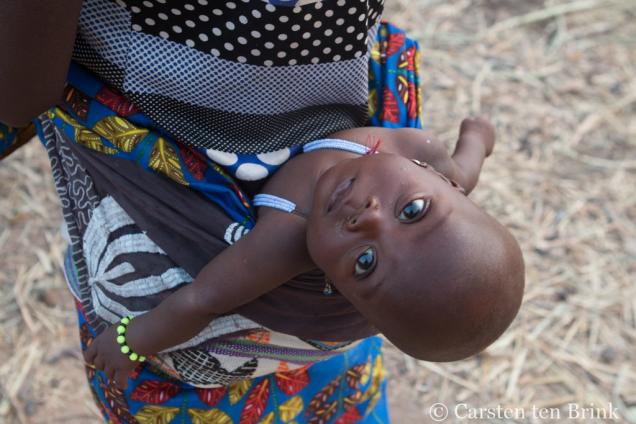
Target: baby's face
(429, 269)
(372, 216)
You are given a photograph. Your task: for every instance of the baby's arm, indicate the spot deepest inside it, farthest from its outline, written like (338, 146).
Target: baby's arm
(475, 143)
(270, 254)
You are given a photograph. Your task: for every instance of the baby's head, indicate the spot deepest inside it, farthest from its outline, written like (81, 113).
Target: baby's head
(434, 273)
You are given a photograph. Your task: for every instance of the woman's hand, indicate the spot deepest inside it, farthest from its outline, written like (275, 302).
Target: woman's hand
(105, 354)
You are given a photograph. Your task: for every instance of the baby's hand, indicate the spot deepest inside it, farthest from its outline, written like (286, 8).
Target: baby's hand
(482, 129)
(105, 354)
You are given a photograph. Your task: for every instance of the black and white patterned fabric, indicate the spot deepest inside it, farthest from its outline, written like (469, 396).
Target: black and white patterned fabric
(116, 269)
(191, 66)
(78, 198)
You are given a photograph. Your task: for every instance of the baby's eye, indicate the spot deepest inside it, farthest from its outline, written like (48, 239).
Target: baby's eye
(414, 210)
(365, 263)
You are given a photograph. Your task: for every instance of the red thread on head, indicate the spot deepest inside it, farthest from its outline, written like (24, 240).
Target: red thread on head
(376, 146)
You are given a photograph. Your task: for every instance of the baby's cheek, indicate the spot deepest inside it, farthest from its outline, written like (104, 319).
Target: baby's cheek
(315, 243)
(323, 249)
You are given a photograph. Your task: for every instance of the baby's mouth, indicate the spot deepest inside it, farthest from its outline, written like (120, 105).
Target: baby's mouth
(339, 194)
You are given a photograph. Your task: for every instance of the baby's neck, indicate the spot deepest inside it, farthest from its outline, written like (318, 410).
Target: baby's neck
(296, 180)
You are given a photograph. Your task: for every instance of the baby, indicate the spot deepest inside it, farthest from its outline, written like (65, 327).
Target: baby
(390, 225)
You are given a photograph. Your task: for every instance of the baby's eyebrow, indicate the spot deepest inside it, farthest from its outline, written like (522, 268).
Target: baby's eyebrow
(439, 174)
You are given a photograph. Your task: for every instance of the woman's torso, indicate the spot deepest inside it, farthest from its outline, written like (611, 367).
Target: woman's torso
(243, 76)
(248, 75)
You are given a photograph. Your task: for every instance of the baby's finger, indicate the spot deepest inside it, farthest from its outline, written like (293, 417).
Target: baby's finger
(110, 373)
(121, 379)
(90, 353)
(99, 362)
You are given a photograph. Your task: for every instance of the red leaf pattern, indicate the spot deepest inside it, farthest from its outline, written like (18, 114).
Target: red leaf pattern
(292, 382)
(323, 415)
(402, 88)
(390, 109)
(255, 403)
(259, 336)
(354, 375)
(319, 401)
(394, 43)
(411, 106)
(211, 396)
(78, 101)
(407, 59)
(194, 163)
(135, 373)
(349, 417)
(352, 400)
(116, 102)
(155, 392)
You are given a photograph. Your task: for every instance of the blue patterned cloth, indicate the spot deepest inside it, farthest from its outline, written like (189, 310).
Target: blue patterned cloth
(349, 388)
(7, 138)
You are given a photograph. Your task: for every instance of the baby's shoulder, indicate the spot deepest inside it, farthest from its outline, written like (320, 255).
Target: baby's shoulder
(295, 180)
(298, 169)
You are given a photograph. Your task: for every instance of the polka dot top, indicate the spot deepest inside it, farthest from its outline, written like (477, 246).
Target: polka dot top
(236, 77)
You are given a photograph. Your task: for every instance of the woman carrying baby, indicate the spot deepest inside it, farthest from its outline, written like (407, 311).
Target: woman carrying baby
(148, 187)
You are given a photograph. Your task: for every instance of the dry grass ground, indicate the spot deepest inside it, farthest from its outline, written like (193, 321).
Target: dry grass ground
(559, 80)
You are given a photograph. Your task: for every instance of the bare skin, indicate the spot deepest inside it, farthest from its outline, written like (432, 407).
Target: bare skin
(36, 35)
(391, 205)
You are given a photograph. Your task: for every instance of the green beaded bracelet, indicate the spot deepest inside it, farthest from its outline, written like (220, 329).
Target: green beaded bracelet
(121, 340)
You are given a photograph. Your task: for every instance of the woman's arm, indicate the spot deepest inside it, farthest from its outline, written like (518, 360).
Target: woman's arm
(36, 38)
(270, 254)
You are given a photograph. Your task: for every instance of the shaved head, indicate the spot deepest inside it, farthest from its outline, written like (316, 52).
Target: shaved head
(433, 272)
(454, 296)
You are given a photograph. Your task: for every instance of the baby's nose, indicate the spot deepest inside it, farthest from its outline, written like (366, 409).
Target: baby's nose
(366, 217)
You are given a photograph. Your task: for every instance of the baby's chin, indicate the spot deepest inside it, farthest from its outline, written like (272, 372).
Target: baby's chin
(325, 184)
